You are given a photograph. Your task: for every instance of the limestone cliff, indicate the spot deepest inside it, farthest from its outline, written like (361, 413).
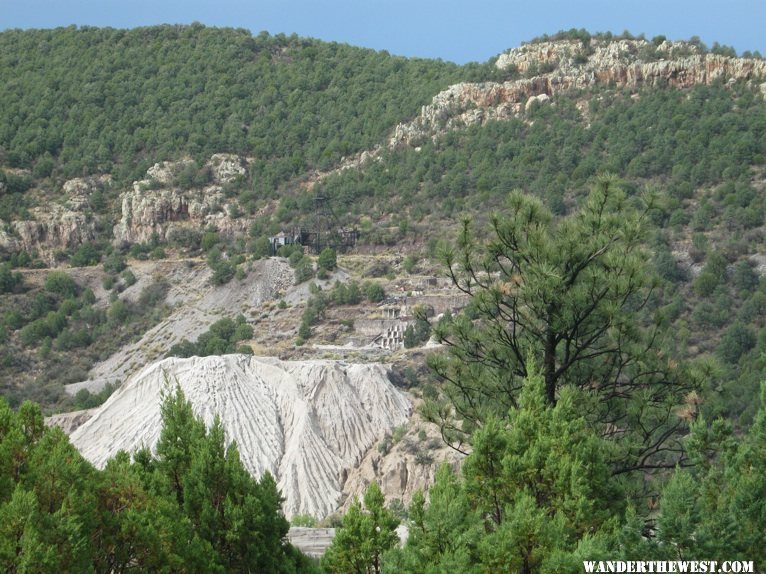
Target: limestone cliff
(573, 65)
(158, 205)
(554, 67)
(54, 227)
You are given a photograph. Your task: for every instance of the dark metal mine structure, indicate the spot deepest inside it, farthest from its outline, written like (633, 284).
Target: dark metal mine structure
(325, 231)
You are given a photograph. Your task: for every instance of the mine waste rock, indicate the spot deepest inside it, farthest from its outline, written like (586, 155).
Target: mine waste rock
(306, 422)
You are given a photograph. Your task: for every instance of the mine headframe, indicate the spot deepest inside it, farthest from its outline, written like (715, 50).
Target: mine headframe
(326, 230)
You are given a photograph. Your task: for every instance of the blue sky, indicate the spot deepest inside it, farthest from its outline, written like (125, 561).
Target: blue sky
(451, 30)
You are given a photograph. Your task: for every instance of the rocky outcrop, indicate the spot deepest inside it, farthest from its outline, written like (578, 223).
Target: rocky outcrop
(146, 212)
(554, 67)
(227, 167)
(403, 468)
(157, 206)
(573, 65)
(306, 422)
(629, 63)
(69, 422)
(57, 226)
(354, 162)
(78, 192)
(52, 228)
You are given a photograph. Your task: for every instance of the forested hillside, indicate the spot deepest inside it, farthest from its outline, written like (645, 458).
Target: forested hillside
(89, 100)
(699, 152)
(103, 101)
(593, 205)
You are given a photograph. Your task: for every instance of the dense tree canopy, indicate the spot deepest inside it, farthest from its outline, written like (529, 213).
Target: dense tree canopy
(363, 537)
(537, 494)
(101, 100)
(191, 508)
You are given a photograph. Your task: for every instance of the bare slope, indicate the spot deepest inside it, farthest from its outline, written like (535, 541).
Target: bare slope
(306, 422)
(198, 304)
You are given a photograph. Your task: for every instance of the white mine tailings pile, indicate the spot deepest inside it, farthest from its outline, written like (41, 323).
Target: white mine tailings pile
(307, 422)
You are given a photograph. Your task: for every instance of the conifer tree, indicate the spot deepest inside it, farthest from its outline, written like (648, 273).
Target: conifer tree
(365, 535)
(444, 533)
(192, 508)
(537, 495)
(565, 294)
(180, 436)
(718, 508)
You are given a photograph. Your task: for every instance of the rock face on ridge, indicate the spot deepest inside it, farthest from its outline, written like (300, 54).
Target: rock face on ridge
(572, 65)
(554, 67)
(56, 226)
(157, 205)
(306, 422)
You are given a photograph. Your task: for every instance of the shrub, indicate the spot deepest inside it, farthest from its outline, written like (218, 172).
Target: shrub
(85, 256)
(374, 292)
(346, 294)
(668, 267)
(152, 294)
(9, 280)
(304, 331)
(304, 520)
(209, 240)
(417, 333)
(114, 263)
(129, 278)
(327, 259)
(13, 320)
(261, 247)
(737, 341)
(158, 253)
(409, 264)
(20, 259)
(219, 339)
(295, 257)
(185, 238)
(304, 271)
(60, 283)
(139, 251)
(88, 297)
(119, 311)
(745, 278)
(288, 250)
(243, 332)
(223, 270)
(39, 329)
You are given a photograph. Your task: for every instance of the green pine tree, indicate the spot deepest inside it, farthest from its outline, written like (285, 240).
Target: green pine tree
(564, 294)
(718, 507)
(365, 535)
